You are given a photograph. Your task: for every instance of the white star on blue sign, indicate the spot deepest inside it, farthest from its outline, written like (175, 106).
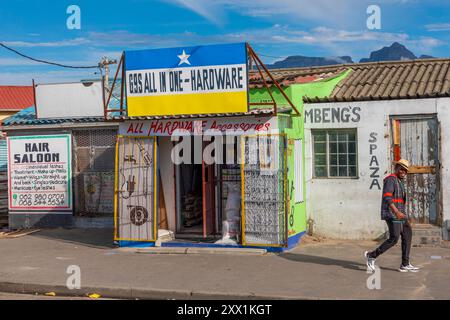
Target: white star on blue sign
(184, 58)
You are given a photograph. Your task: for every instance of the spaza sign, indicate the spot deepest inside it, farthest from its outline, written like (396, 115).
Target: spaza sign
(333, 115)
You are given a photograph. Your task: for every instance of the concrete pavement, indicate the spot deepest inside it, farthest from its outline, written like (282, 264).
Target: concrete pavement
(324, 270)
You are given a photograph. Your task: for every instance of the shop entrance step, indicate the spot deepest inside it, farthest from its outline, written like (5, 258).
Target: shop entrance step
(201, 250)
(426, 235)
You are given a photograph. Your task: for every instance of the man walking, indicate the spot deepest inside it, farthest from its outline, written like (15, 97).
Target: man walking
(394, 213)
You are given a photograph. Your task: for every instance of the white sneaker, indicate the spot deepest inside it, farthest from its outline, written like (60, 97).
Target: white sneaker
(370, 262)
(408, 268)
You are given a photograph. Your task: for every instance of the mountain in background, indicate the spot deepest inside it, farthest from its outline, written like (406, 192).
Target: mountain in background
(302, 61)
(394, 52)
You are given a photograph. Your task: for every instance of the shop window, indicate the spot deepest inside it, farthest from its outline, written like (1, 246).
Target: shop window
(94, 160)
(335, 153)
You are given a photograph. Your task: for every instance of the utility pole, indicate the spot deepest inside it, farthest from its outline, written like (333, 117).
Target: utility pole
(104, 63)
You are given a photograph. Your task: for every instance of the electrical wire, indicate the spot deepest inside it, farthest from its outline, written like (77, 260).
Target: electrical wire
(46, 62)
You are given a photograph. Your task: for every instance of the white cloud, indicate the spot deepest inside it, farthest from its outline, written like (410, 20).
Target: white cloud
(63, 43)
(278, 40)
(24, 78)
(438, 27)
(337, 12)
(17, 62)
(215, 11)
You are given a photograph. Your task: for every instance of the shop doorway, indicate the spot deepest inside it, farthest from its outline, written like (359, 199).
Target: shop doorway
(189, 200)
(416, 138)
(195, 184)
(202, 191)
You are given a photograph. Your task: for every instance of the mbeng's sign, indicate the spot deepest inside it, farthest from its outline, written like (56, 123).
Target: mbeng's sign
(187, 80)
(39, 171)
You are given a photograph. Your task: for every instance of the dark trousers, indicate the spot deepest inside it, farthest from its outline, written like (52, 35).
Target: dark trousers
(396, 229)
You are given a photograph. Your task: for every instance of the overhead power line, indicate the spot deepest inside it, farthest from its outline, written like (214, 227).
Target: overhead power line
(46, 62)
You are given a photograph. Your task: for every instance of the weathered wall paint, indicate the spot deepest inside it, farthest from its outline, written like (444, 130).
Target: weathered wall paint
(350, 208)
(297, 216)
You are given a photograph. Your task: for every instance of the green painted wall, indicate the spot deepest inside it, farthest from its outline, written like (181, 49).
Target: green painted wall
(296, 92)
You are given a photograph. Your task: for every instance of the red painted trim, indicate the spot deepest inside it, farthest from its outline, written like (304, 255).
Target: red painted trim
(204, 196)
(175, 193)
(397, 152)
(34, 99)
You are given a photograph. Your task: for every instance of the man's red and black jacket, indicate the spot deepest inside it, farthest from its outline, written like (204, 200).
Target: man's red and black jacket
(393, 192)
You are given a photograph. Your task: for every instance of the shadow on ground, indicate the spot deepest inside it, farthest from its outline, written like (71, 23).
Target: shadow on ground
(325, 261)
(96, 238)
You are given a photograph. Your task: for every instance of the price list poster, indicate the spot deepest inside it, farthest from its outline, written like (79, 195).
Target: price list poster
(39, 172)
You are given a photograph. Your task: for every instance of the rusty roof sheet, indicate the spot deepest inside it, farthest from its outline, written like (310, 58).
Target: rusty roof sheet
(15, 98)
(289, 76)
(426, 78)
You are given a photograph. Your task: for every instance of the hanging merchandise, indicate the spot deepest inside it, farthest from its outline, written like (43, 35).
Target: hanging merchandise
(136, 203)
(192, 209)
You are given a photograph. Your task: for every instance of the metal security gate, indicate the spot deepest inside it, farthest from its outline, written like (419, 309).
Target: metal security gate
(94, 151)
(135, 189)
(3, 184)
(264, 207)
(417, 140)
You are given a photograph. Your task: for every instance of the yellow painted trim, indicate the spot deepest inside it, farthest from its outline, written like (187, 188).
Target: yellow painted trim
(155, 191)
(116, 189)
(286, 193)
(243, 189)
(193, 103)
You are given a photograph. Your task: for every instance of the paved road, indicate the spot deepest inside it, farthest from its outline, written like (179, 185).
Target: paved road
(327, 270)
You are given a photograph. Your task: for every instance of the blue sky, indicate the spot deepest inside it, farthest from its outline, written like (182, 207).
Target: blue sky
(275, 29)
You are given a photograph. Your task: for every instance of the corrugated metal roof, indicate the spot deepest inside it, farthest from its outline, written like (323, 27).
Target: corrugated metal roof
(16, 97)
(28, 117)
(427, 78)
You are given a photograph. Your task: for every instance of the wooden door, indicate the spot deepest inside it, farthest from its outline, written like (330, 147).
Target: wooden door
(417, 140)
